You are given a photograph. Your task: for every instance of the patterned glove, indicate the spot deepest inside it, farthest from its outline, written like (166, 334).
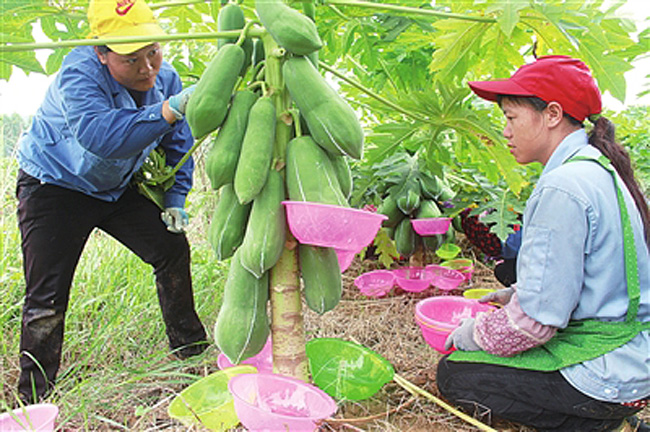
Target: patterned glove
(176, 219)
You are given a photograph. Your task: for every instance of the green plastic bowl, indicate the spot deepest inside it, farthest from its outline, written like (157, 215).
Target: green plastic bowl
(448, 251)
(477, 293)
(208, 402)
(346, 370)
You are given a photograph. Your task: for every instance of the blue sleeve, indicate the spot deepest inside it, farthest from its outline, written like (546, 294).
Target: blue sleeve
(550, 263)
(100, 126)
(176, 144)
(512, 245)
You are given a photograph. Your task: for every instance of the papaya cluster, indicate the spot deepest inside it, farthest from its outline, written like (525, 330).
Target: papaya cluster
(418, 197)
(248, 225)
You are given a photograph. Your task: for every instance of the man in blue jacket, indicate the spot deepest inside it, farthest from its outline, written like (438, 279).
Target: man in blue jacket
(108, 109)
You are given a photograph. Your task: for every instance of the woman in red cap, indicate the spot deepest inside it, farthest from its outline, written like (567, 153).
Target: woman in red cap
(569, 349)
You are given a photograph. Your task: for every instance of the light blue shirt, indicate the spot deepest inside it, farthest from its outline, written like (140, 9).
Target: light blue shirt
(571, 266)
(89, 135)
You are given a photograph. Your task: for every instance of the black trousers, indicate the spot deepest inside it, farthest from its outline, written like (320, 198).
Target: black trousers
(55, 224)
(542, 400)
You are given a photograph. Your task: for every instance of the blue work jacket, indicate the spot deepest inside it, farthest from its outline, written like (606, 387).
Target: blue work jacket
(571, 266)
(89, 135)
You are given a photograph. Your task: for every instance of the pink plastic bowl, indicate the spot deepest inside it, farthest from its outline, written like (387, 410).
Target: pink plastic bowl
(332, 226)
(263, 361)
(413, 279)
(376, 283)
(273, 402)
(439, 316)
(39, 417)
(431, 226)
(445, 278)
(345, 258)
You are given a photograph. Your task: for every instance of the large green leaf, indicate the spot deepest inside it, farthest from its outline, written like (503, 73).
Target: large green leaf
(508, 13)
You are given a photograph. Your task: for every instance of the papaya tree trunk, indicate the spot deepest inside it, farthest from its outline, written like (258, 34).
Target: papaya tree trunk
(287, 325)
(419, 257)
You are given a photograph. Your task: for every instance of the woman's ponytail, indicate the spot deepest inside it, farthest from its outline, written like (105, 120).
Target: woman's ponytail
(603, 138)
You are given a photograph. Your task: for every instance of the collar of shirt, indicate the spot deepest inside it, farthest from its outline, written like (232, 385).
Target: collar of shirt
(570, 145)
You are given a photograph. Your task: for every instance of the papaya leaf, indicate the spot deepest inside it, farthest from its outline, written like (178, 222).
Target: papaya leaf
(5, 71)
(458, 40)
(607, 69)
(385, 248)
(54, 60)
(505, 214)
(508, 13)
(25, 60)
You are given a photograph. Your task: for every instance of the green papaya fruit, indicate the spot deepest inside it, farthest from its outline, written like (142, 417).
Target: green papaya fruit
(332, 122)
(242, 325)
(228, 223)
(407, 195)
(231, 17)
(388, 207)
(208, 106)
(310, 175)
(428, 209)
(321, 276)
(256, 150)
(265, 233)
(291, 29)
(405, 238)
(221, 160)
(343, 174)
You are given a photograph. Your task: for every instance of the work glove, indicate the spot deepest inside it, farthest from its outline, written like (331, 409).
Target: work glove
(463, 337)
(501, 296)
(176, 219)
(178, 102)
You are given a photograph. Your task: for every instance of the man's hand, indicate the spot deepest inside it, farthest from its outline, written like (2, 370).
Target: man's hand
(463, 337)
(501, 296)
(176, 219)
(178, 102)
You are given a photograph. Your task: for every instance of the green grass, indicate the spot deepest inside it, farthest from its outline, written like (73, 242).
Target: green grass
(116, 371)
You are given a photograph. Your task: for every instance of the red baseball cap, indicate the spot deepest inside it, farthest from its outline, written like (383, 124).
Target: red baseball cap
(555, 78)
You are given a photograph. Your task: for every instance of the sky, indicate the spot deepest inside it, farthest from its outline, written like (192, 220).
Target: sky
(23, 94)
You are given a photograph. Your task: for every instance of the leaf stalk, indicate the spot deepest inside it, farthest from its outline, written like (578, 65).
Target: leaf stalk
(372, 94)
(409, 10)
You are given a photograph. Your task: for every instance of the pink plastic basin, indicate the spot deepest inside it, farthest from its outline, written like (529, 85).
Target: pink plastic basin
(263, 361)
(39, 417)
(375, 283)
(431, 226)
(272, 402)
(439, 316)
(332, 226)
(445, 278)
(463, 265)
(345, 258)
(413, 279)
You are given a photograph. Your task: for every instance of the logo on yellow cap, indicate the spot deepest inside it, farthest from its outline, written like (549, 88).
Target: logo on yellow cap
(123, 6)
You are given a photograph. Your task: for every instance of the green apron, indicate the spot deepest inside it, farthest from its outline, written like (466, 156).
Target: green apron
(587, 339)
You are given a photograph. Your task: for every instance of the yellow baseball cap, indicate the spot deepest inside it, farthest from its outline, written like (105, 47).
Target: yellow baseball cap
(120, 18)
